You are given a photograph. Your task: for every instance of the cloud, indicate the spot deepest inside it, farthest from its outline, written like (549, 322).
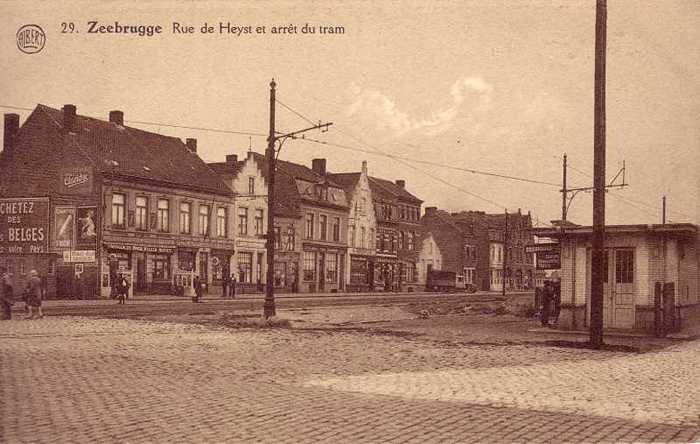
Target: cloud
(381, 111)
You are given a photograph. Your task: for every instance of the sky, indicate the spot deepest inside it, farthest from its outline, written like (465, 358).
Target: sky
(503, 87)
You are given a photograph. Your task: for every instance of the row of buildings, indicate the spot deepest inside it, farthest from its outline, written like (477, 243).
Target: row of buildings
(84, 198)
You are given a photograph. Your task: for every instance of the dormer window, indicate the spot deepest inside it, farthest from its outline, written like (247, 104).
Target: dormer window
(321, 192)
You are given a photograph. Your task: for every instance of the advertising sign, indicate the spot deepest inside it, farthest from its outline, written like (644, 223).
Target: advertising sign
(86, 228)
(79, 256)
(24, 225)
(76, 181)
(64, 228)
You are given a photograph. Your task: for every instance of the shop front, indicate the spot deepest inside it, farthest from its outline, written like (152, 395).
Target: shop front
(148, 268)
(323, 268)
(286, 273)
(361, 273)
(386, 273)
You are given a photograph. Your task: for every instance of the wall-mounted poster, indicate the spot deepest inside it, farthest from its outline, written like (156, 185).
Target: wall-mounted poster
(87, 228)
(64, 227)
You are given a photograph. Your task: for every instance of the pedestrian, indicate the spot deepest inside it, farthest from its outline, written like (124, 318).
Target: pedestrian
(233, 286)
(224, 286)
(6, 293)
(556, 291)
(198, 288)
(546, 303)
(34, 295)
(122, 289)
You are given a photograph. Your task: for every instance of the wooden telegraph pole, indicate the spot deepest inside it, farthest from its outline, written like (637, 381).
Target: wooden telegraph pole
(597, 262)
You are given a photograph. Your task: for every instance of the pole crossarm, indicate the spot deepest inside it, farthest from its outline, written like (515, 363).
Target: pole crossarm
(293, 134)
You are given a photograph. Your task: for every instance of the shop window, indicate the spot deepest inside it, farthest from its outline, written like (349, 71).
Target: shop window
(245, 266)
(624, 266)
(185, 260)
(163, 223)
(161, 267)
(259, 221)
(185, 218)
(309, 265)
(221, 228)
(243, 221)
(141, 213)
(204, 220)
(331, 268)
(259, 269)
(279, 277)
(118, 210)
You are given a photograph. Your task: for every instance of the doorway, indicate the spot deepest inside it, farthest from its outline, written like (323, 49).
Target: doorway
(204, 269)
(619, 287)
(321, 271)
(140, 272)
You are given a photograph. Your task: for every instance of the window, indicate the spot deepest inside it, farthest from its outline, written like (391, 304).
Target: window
(352, 236)
(401, 237)
(323, 226)
(251, 186)
(204, 220)
(221, 218)
(409, 242)
(280, 271)
(185, 217)
(370, 240)
(624, 266)
(278, 240)
(331, 268)
(259, 269)
(243, 221)
(309, 226)
(363, 233)
(118, 209)
(245, 266)
(336, 229)
(163, 224)
(290, 240)
(258, 221)
(161, 266)
(321, 192)
(309, 265)
(141, 213)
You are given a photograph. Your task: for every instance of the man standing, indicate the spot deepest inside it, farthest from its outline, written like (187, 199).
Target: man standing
(34, 295)
(6, 296)
(233, 286)
(224, 286)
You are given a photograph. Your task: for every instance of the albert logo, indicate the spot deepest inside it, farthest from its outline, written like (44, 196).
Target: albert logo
(31, 39)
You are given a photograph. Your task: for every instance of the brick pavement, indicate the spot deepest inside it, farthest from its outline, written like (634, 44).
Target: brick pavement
(87, 380)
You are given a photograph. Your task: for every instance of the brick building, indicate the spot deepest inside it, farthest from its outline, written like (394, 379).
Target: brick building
(510, 246)
(463, 243)
(122, 199)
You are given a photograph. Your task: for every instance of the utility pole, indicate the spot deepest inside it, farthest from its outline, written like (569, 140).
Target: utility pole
(269, 306)
(271, 159)
(597, 262)
(663, 210)
(563, 196)
(505, 252)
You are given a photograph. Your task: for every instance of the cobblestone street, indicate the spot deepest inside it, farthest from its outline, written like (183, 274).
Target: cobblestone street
(102, 380)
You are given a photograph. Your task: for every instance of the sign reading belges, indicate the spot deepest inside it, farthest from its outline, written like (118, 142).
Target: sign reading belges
(24, 225)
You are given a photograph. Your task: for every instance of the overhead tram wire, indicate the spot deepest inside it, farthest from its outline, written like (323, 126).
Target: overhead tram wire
(290, 109)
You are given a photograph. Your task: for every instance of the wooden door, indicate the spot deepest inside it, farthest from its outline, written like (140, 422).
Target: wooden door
(623, 288)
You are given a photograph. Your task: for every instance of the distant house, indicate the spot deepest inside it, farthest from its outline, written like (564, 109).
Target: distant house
(429, 257)
(637, 257)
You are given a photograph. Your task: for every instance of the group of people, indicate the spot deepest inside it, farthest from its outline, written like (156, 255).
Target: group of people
(551, 302)
(228, 287)
(32, 295)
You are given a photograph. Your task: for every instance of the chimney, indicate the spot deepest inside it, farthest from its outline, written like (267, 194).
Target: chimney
(69, 118)
(11, 129)
(116, 117)
(231, 160)
(191, 145)
(364, 167)
(401, 183)
(430, 211)
(319, 166)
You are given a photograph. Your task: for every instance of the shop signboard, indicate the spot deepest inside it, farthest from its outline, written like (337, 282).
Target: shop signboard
(24, 225)
(76, 181)
(79, 256)
(548, 255)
